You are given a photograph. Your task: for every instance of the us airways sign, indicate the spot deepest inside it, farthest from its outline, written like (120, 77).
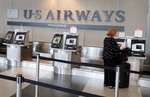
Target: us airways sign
(80, 15)
(110, 17)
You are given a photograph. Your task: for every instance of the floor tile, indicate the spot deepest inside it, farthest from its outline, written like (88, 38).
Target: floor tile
(67, 81)
(90, 85)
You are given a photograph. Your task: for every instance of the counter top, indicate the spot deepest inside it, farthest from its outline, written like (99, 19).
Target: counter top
(67, 50)
(17, 44)
(135, 57)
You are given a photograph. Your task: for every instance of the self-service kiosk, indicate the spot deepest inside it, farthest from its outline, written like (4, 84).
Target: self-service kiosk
(65, 47)
(9, 37)
(137, 55)
(18, 47)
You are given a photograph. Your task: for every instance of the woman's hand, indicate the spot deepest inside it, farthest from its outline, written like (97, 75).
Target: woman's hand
(123, 46)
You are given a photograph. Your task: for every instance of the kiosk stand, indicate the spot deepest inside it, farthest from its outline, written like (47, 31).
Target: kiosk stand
(135, 66)
(18, 48)
(65, 47)
(136, 55)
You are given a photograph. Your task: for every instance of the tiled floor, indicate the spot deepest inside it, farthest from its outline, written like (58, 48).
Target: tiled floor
(145, 91)
(67, 81)
(90, 85)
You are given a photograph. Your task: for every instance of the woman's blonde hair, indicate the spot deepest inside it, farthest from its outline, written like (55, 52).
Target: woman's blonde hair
(112, 32)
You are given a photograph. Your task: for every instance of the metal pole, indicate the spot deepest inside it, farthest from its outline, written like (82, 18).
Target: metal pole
(19, 85)
(37, 75)
(117, 81)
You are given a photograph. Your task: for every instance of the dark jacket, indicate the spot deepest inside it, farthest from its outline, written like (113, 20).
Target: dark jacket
(110, 49)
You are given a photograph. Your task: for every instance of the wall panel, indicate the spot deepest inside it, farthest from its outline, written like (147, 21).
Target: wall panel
(135, 17)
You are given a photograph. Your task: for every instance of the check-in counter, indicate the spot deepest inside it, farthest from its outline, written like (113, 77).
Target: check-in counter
(2, 46)
(17, 53)
(135, 65)
(92, 55)
(42, 48)
(65, 47)
(66, 55)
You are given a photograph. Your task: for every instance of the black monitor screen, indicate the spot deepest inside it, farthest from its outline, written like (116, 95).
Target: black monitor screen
(20, 37)
(71, 41)
(138, 47)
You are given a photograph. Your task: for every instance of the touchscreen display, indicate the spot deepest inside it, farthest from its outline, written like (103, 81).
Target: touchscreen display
(56, 40)
(8, 37)
(20, 37)
(139, 47)
(71, 41)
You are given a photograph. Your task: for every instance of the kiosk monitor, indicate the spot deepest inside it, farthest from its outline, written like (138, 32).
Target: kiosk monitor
(9, 37)
(121, 40)
(57, 41)
(138, 47)
(20, 38)
(71, 42)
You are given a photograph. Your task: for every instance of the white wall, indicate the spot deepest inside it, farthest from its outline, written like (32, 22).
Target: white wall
(135, 17)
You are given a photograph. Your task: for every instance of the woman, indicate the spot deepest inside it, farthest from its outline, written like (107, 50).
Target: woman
(110, 57)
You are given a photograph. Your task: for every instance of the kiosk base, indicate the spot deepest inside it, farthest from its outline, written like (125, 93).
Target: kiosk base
(66, 55)
(62, 70)
(17, 53)
(135, 66)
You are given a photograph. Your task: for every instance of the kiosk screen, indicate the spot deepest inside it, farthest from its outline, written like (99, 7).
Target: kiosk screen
(71, 42)
(57, 41)
(9, 37)
(20, 37)
(138, 47)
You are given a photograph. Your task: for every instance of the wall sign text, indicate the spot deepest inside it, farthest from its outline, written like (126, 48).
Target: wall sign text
(99, 16)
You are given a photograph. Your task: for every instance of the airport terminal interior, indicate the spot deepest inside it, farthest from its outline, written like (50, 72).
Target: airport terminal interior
(85, 79)
(77, 82)
(60, 43)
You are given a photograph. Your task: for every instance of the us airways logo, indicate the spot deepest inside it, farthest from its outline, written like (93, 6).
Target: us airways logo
(80, 15)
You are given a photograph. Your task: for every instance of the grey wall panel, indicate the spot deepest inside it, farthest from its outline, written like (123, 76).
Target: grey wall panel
(135, 17)
(148, 37)
(66, 26)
